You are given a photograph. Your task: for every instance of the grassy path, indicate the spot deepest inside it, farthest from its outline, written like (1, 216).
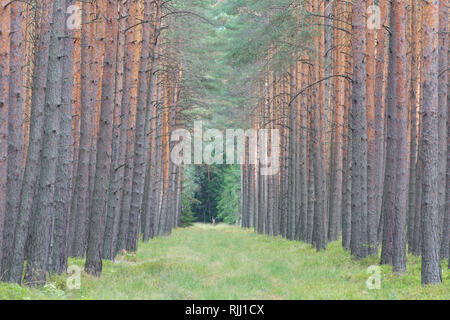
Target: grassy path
(224, 262)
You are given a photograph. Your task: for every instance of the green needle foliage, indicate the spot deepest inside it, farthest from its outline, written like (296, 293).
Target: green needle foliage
(229, 200)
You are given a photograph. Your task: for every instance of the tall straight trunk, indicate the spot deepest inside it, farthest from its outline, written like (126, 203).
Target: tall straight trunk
(311, 197)
(149, 124)
(255, 181)
(389, 192)
(328, 34)
(372, 155)
(359, 239)
(171, 198)
(431, 266)
(251, 196)
(398, 40)
(324, 88)
(255, 174)
(347, 135)
(279, 182)
(157, 173)
(447, 226)
(97, 86)
(76, 106)
(296, 158)
(311, 176)
(103, 164)
(63, 186)
(252, 180)
(319, 233)
(149, 179)
(263, 178)
(16, 131)
(122, 231)
(41, 224)
(165, 163)
(4, 103)
(303, 154)
(167, 144)
(122, 104)
(443, 114)
(269, 182)
(244, 193)
(174, 170)
(142, 119)
(380, 103)
(179, 191)
(347, 176)
(31, 173)
(336, 181)
(413, 124)
(123, 220)
(81, 190)
(261, 202)
(292, 181)
(417, 239)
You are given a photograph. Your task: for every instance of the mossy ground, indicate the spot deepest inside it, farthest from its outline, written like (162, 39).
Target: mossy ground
(226, 262)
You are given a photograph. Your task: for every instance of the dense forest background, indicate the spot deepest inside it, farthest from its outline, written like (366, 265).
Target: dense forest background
(212, 192)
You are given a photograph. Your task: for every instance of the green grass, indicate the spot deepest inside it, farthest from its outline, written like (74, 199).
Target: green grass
(225, 262)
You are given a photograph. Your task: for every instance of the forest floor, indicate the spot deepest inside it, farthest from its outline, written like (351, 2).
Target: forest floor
(226, 262)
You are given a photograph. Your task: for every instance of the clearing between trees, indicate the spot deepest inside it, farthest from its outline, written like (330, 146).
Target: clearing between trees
(227, 262)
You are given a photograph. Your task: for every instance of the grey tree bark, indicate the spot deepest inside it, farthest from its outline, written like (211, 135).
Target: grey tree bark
(80, 199)
(443, 119)
(142, 114)
(4, 102)
(431, 265)
(41, 224)
(359, 241)
(103, 164)
(16, 131)
(64, 170)
(124, 60)
(32, 164)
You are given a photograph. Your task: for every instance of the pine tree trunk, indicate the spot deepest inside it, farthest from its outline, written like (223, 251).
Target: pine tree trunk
(319, 232)
(4, 104)
(431, 266)
(80, 199)
(143, 115)
(413, 133)
(447, 225)
(372, 155)
(359, 239)
(292, 181)
(64, 171)
(303, 152)
(443, 116)
(122, 104)
(380, 103)
(311, 178)
(398, 39)
(32, 165)
(16, 131)
(41, 224)
(389, 202)
(155, 204)
(103, 164)
(336, 171)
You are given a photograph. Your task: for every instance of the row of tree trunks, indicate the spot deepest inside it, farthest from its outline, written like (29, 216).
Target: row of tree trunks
(364, 135)
(98, 141)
